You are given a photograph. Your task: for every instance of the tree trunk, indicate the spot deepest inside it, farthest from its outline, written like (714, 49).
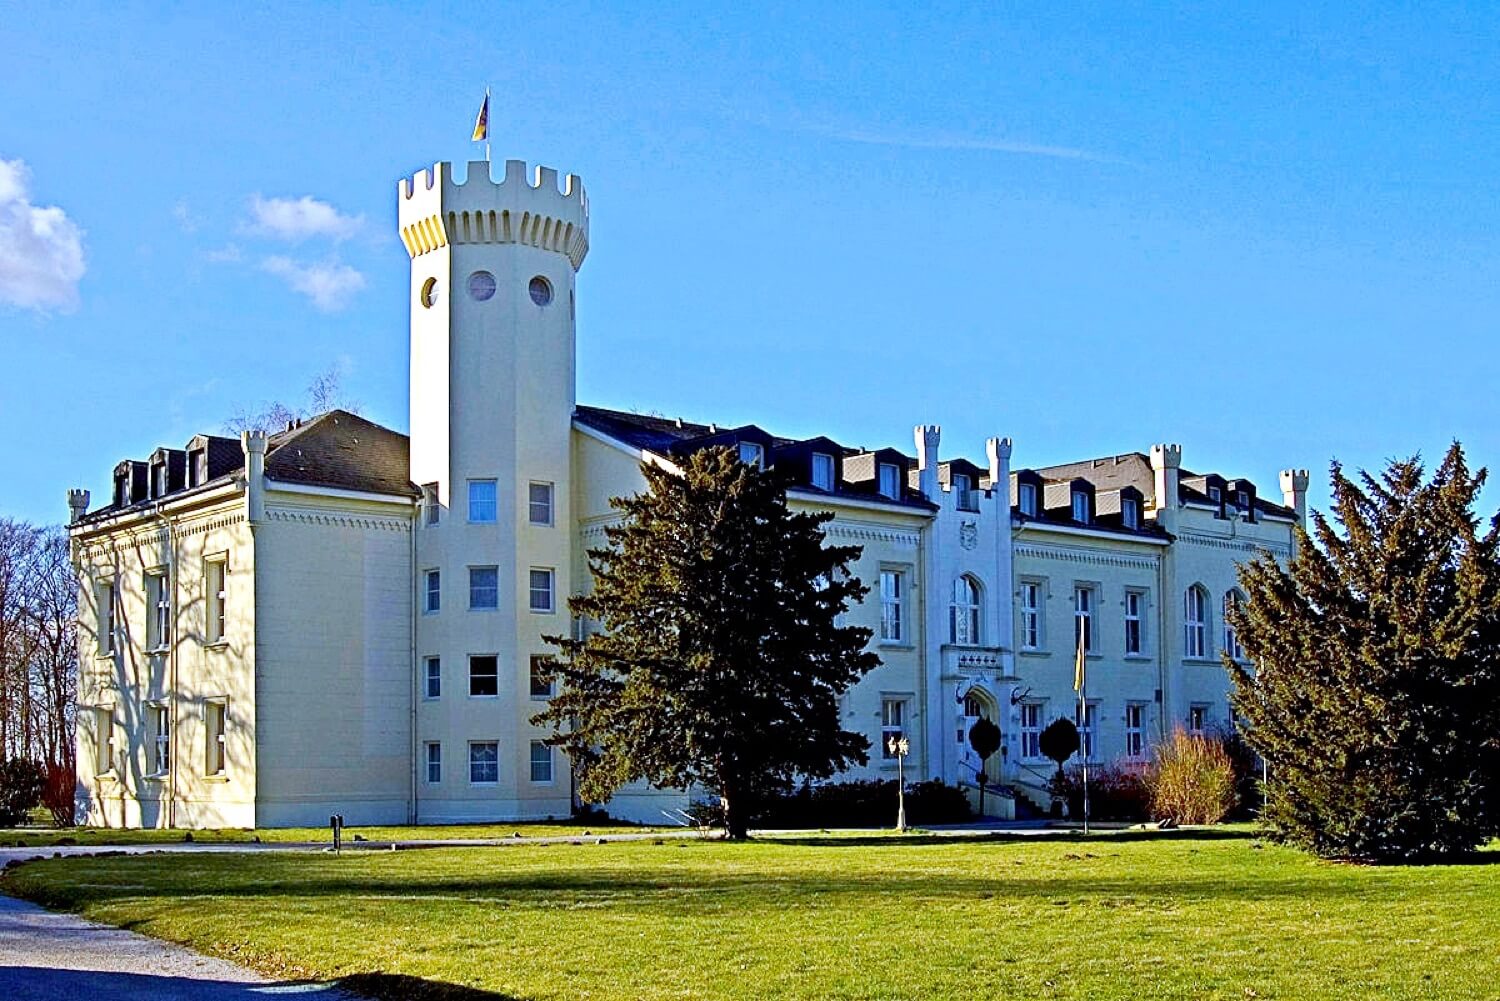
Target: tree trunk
(736, 823)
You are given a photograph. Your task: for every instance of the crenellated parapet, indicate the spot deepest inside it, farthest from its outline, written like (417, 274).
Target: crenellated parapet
(435, 209)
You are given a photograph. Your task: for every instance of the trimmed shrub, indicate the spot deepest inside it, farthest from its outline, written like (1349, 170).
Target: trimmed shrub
(1116, 792)
(22, 783)
(1192, 779)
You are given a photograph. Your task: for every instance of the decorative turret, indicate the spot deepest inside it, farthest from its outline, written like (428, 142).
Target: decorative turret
(927, 437)
(1294, 491)
(78, 504)
(998, 450)
(1166, 463)
(254, 444)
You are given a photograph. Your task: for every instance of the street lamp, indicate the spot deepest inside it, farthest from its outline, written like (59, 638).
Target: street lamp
(900, 747)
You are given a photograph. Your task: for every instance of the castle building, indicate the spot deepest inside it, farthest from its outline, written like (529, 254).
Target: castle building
(337, 618)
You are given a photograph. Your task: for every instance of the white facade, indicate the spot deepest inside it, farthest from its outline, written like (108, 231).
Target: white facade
(353, 632)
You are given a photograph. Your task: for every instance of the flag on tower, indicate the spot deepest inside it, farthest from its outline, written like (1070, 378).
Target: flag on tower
(482, 123)
(1078, 663)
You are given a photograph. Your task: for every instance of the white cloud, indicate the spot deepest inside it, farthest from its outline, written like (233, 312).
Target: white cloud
(227, 254)
(41, 249)
(186, 221)
(960, 142)
(296, 219)
(330, 284)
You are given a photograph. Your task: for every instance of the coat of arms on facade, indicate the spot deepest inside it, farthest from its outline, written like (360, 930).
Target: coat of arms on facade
(968, 535)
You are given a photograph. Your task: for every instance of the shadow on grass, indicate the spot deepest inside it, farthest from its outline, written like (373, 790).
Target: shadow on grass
(399, 987)
(1099, 838)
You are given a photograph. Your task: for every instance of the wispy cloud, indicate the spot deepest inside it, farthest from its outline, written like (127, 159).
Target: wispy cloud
(186, 221)
(297, 219)
(41, 249)
(227, 254)
(330, 285)
(948, 141)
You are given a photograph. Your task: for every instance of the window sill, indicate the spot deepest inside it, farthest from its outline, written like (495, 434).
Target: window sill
(1035, 653)
(483, 785)
(216, 777)
(431, 611)
(216, 645)
(541, 698)
(111, 657)
(1139, 656)
(484, 697)
(157, 776)
(157, 651)
(484, 611)
(896, 645)
(542, 611)
(109, 776)
(1203, 660)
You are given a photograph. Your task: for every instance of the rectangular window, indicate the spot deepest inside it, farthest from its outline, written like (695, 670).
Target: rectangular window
(434, 762)
(482, 502)
(1135, 729)
(1026, 498)
(432, 677)
(1135, 637)
(1130, 512)
(541, 590)
(752, 454)
(1197, 719)
(484, 676)
(432, 591)
(159, 622)
(430, 508)
(822, 471)
(1087, 728)
(539, 503)
(890, 605)
(105, 616)
(890, 481)
(484, 762)
(216, 587)
(1083, 616)
(1080, 507)
(1031, 615)
(963, 489)
(1031, 730)
(541, 680)
(541, 762)
(104, 740)
(159, 725)
(892, 725)
(216, 719)
(484, 588)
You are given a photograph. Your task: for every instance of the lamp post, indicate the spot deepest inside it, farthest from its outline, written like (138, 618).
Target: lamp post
(900, 747)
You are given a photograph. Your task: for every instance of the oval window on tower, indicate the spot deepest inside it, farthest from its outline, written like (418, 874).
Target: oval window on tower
(481, 286)
(541, 290)
(429, 292)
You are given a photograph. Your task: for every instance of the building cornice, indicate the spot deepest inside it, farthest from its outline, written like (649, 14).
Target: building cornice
(1091, 533)
(1090, 557)
(339, 493)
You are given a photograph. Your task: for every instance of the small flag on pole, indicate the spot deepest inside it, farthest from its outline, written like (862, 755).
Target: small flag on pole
(1078, 664)
(482, 123)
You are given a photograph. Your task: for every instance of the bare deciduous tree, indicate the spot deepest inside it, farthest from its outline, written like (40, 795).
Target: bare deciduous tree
(324, 393)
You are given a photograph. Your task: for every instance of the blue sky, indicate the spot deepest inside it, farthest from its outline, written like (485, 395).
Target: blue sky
(1269, 235)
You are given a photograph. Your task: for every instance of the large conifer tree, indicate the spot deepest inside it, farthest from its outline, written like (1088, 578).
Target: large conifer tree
(1375, 691)
(714, 655)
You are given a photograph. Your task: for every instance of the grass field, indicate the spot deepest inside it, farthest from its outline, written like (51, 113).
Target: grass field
(1196, 915)
(21, 837)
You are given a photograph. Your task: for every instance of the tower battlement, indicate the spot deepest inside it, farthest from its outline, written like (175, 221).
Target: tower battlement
(436, 209)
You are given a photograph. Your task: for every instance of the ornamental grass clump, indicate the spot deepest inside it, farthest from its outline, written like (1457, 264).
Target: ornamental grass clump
(1191, 780)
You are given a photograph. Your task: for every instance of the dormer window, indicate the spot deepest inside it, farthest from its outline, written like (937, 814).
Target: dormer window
(1027, 499)
(1214, 495)
(200, 467)
(1242, 500)
(963, 490)
(122, 490)
(752, 454)
(1130, 512)
(159, 480)
(890, 480)
(1080, 507)
(822, 471)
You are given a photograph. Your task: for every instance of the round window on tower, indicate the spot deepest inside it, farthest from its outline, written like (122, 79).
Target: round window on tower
(541, 290)
(481, 286)
(429, 292)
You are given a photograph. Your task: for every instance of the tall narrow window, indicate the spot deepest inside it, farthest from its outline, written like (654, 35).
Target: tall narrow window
(1194, 623)
(1135, 729)
(1231, 641)
(434, 762)
(1080, 507)
(1134, 623)
(200, 467)
(432, 591)
(1031, 730)
(1026, 499)
(541, 678)
(1085, 722)
(216, 719)
(892, 724)
(484, 762)
(484, 676)
(159, 627)
(159, 722)
(431, 511)
(216, 586)
(484, 588)
(822, 471)
(432, 677)
(482, 501)
(539, 503)
(541, 590)
(1083, 615)
(963, 614)
(1031, 615)
(105, 616)
(963, 491)
(1197, 719)
(541, 761)
(890, 605)
(890, 481)
(104, 740)
(752, 454)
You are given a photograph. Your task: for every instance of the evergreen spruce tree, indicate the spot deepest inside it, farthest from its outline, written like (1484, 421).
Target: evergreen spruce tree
(1374, 694)
(716, 659)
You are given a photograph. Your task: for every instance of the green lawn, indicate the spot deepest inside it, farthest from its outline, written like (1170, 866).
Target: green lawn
(1193, 915)
(20, 837)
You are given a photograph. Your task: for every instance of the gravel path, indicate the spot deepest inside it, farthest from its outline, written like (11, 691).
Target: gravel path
(59, 957)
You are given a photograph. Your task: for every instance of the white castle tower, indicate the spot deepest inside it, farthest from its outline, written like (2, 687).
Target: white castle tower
(492, 392)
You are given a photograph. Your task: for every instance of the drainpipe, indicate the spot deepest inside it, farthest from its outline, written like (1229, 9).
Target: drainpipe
(413, 810)
(172, 696)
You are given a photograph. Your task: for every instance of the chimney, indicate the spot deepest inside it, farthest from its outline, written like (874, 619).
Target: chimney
(1294, 492)
(927, 437)
(254, 444)
(78, 504)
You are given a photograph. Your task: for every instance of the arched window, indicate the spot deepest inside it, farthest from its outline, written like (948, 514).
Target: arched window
(963, 614)
(1232, 599)
(1195, 622)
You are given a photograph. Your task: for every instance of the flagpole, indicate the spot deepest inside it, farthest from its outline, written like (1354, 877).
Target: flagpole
(1083, 713)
